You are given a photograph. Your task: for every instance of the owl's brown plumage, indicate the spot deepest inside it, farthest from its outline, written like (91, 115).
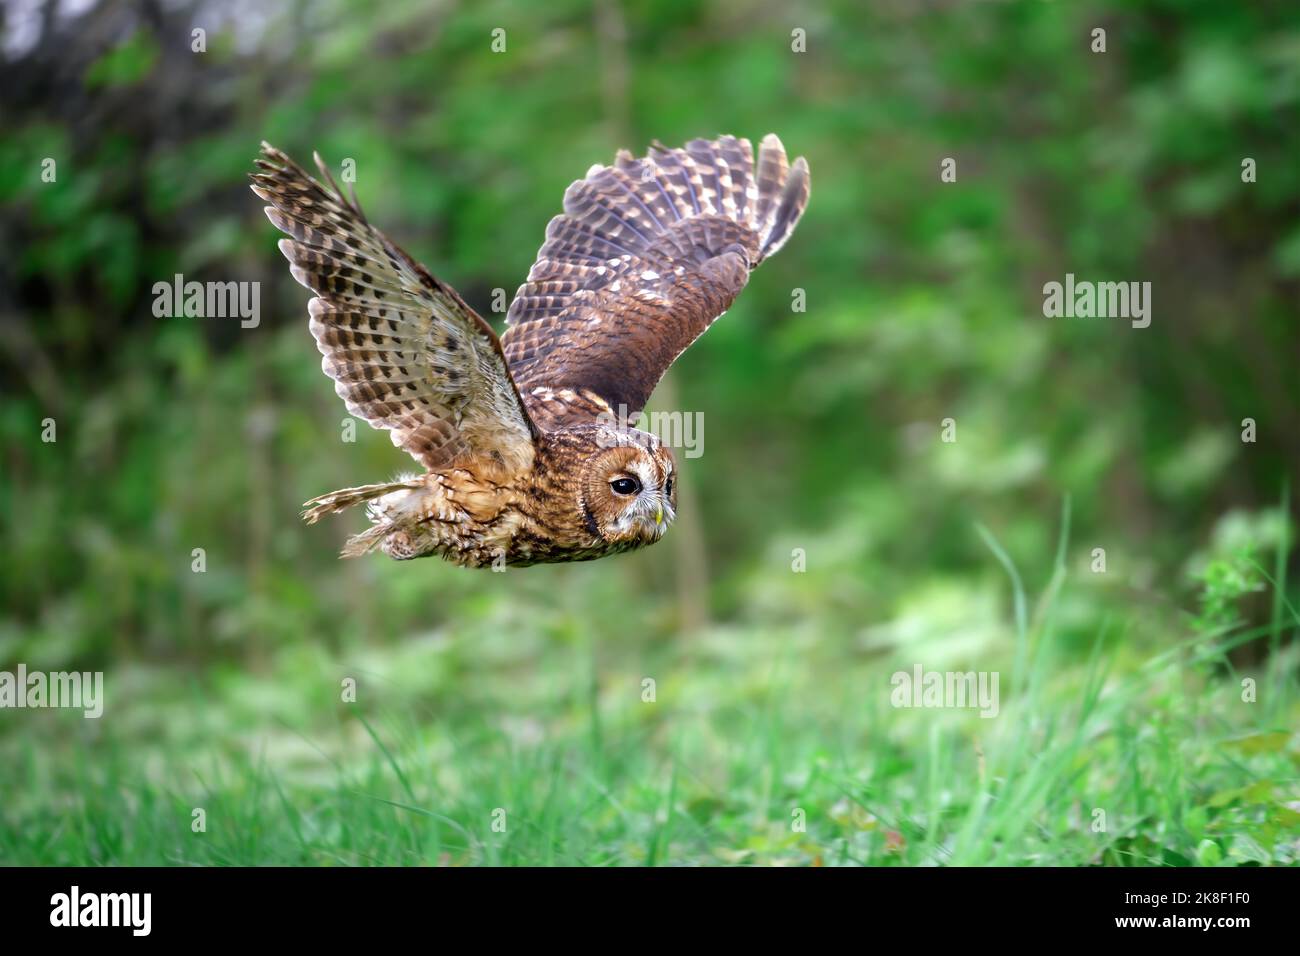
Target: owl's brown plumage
(526, 462)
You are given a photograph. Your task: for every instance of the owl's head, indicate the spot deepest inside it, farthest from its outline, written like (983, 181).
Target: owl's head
(629, 488)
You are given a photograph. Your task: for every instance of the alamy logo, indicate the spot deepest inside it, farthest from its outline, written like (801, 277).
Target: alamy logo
(684, 430)
(103, 909)
(946, 689)
(74, 689)
(208, 300)
(1101, 300)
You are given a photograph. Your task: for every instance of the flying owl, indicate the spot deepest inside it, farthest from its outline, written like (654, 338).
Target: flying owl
(524, 439)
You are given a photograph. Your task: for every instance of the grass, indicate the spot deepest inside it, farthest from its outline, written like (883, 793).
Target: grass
(763, 745)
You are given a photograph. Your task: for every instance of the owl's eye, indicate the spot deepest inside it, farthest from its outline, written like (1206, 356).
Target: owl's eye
(668, 486)
(625, 486)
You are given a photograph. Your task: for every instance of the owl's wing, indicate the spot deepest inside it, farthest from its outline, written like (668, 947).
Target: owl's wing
(405, 351)
(647, 254)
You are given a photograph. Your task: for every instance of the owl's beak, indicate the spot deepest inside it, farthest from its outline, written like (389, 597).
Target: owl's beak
(659, 516)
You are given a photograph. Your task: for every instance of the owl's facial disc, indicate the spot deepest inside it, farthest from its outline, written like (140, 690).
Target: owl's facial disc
(631, 492)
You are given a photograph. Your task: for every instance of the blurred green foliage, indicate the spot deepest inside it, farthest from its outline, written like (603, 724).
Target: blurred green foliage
(822, 427)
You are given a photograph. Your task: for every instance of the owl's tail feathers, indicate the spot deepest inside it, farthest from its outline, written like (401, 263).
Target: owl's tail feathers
(391, 506)
(345, 498)
(365, 542)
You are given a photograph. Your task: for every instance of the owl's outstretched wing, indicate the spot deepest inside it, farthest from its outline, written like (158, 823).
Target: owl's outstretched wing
(647, 254)
(405, 351)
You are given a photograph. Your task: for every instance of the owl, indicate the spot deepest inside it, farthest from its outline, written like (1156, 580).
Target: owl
(524, 441)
